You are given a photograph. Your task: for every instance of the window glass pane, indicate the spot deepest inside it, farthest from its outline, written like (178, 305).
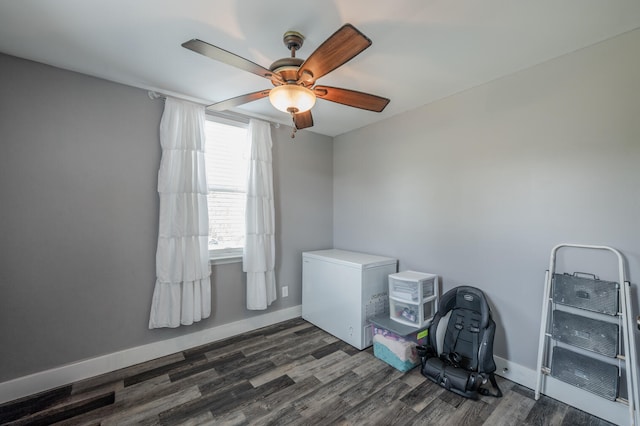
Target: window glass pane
(226, 219)
(226, 159)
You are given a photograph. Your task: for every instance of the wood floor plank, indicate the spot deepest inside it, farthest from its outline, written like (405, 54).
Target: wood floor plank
(325, 395)
(63, 412)
(437, 412)
(422, 395)
(372, 384)
(341, 367)
(139, 390)
(578, 417)
(240, 346)
(413, 377)
(246, 337)
(332, 415)
(242, 339)
(276, 405)
(546, 411)
(234, 418)
(452, 399)
(338, 345)
(280, 350)
(512, 410)
(369, 410)
(225, 346)
(207, 402)
(285, 416)
(398, 413)
(287, 332)
(204, 364)
(317, 366)
(142, 393)
(138, 413)
(280, 370)
(372, 366)
(294, 348)
(471, 412)
(23, 407)
(240, 402)
(260, 343)
(229, 380)
(302, 346)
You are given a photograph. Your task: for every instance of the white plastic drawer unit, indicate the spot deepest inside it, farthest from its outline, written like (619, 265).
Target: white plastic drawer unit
(413, 297)
(342, 289)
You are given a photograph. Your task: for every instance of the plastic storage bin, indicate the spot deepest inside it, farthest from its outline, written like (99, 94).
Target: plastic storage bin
(395, 343)
(413, 298)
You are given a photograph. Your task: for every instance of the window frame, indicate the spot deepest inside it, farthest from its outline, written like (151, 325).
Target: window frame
(235, 254)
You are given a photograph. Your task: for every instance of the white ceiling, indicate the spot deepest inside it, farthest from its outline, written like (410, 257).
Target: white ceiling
(423, 50)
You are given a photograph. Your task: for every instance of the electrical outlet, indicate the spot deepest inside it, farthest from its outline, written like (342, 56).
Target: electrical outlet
(285, 291)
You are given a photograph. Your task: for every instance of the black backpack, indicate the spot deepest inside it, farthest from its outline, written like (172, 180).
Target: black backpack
(459, 353)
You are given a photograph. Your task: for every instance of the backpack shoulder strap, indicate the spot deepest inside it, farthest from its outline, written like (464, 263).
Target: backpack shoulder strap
(454, 327)
(440, 321)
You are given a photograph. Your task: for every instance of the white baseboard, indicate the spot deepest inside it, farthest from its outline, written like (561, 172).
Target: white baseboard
(66, 374)
(515, 372)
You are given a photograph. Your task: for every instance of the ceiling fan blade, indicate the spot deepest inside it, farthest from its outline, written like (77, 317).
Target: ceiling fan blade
(351, 98)
(338, 49)
(214, 52)
(303, 120)
(238, 100)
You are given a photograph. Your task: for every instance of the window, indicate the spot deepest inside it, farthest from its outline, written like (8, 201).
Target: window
(226, 160)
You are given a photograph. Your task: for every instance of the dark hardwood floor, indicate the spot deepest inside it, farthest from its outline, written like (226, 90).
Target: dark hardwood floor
(289, 373)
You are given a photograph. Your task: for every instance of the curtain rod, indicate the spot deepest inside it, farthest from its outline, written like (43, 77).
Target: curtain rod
(159, 95)
(230, 115)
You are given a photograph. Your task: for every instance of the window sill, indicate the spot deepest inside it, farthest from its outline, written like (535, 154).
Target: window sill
(225, 259)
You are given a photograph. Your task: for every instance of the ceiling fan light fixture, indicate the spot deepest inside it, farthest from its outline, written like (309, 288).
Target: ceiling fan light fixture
(292, 98)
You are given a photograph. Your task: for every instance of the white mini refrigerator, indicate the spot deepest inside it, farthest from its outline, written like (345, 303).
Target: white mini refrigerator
(342, 289)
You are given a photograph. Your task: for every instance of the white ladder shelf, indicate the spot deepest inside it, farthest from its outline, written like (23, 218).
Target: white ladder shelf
(554, 387)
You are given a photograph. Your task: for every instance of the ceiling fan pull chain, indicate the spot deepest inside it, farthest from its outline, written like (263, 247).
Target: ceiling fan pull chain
(295, 129)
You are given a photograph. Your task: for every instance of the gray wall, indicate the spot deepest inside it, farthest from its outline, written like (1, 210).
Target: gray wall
(78, 223)
(480, 186)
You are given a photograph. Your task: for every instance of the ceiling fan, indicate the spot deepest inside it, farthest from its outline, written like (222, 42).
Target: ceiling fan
(294, 79)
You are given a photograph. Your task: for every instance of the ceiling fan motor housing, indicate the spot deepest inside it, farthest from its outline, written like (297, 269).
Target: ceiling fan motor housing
(287, 68)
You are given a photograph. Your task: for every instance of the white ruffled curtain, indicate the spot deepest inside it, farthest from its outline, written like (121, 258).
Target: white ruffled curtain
(182, 294)
(259, 251)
